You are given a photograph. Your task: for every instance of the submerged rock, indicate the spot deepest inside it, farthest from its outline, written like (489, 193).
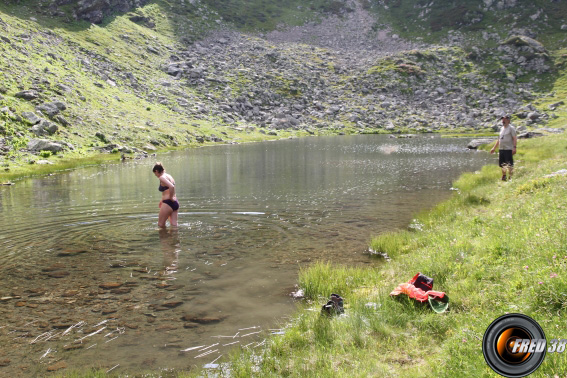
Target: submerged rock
(70, 293)
(62, 324)
(190, 325)
(202, 319)
(59, 274)
(122, 290)
(58, 366)
(71, 252)
(172, 304)
(73, 346)
(110, 285)
(108, 311)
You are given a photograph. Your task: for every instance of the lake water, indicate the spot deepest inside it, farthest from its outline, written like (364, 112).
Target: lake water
(88, 280)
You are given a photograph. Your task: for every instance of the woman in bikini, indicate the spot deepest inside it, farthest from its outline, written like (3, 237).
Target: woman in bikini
(168, 206)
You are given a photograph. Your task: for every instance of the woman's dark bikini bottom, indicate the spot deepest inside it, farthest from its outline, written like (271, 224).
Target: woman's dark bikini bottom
(173, 204)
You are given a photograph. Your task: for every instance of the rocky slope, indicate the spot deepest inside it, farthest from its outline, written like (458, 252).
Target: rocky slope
(170, 74)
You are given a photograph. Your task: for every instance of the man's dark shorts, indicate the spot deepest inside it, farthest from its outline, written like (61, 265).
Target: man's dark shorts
(505, 157)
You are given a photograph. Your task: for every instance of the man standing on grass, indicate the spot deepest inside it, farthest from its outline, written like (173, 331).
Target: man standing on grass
(507, 143)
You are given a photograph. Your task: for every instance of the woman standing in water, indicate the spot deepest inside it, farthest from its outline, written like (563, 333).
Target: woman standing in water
(168, 206)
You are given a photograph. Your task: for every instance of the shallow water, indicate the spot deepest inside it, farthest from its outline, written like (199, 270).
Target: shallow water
(250, 216)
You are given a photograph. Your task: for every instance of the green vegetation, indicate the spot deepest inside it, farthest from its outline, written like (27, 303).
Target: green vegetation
(268, 15)
(383, 66)
(494, 247)
(59, 163)
(45, 154)
(430, 21)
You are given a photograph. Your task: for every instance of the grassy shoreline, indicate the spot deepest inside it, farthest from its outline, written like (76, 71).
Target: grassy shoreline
(494, 247)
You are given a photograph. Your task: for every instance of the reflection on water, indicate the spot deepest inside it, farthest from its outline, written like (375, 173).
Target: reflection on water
(171, 247)
(88, 278)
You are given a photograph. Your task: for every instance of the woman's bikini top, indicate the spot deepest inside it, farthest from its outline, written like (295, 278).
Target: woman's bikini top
(162, 188)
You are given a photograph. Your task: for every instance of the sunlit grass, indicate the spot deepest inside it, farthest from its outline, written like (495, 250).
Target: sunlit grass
(71, 161)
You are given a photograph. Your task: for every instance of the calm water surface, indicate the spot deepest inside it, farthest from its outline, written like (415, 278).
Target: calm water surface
(250, 216)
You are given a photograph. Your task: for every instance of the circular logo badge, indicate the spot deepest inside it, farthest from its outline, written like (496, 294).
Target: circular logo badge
(514, 345)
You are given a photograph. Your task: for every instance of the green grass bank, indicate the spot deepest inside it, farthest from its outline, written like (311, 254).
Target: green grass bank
(494, 247)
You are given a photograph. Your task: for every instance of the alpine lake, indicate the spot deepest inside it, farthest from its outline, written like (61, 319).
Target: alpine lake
(89, 281)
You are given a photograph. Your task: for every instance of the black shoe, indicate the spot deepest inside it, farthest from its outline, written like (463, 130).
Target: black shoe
(328, 309)
(503, 177)
(338, 303)
(334, 306)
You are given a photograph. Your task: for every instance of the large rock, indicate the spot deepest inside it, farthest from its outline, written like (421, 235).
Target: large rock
(176, 68)
(534, 116)
(173, 69)
(61, 120)
(556, 105)
(476, 143)
(44, 127)
(37, 145)
(530, 134)
(28, 95)
(31, 118)
(196, 73)
(522, 40)
(51, 108)
(64, 88)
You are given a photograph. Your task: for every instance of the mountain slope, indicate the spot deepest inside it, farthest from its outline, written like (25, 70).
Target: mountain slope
(161, 74)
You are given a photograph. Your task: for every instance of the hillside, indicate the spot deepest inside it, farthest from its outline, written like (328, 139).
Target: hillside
(133, 77)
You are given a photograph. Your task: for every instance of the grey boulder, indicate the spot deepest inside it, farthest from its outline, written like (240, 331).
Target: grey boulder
(37, 145)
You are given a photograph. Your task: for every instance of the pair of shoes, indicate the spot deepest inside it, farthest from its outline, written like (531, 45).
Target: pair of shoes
(334, 306)
(503, 177)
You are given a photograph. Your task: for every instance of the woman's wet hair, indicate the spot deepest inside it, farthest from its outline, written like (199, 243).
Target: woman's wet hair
(158, 168)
